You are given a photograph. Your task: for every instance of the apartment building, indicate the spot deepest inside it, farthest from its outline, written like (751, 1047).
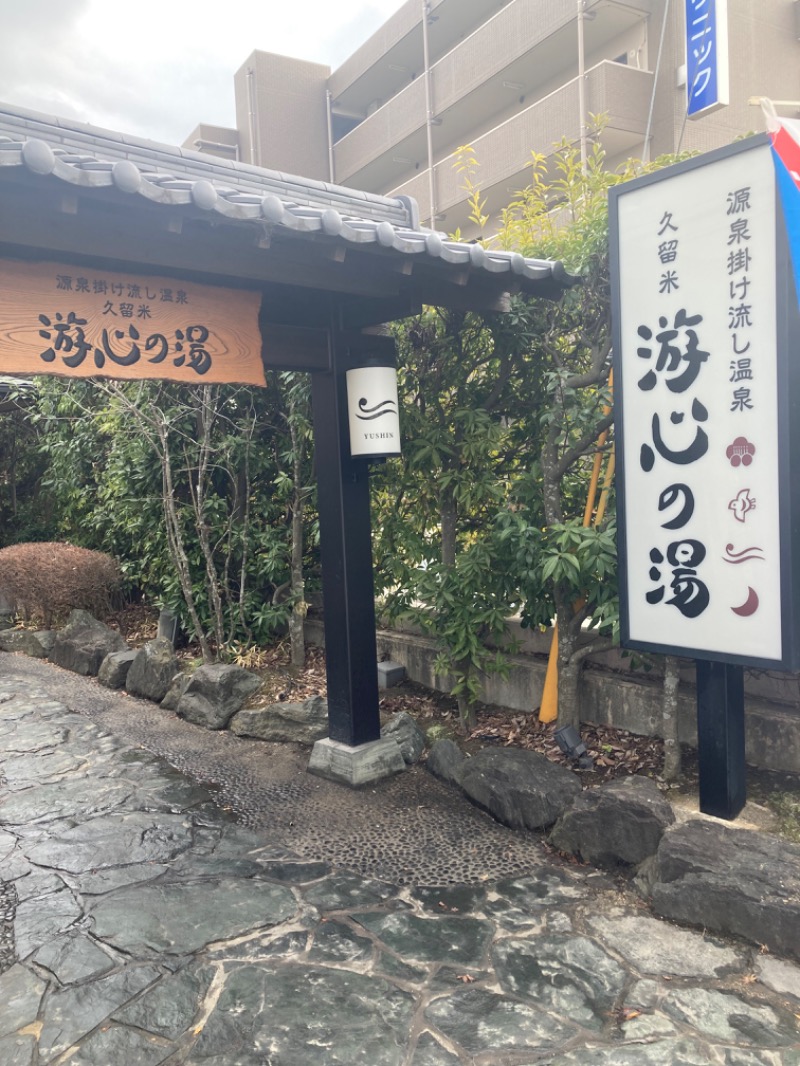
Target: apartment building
(508, 77)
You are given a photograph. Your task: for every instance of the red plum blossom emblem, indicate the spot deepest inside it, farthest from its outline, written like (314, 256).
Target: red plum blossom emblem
(741, 452)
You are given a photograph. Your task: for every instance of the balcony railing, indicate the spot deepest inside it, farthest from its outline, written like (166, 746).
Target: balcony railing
(524, 42)
(620, 93)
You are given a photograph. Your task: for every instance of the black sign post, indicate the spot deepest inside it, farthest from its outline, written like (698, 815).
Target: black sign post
(720, 738)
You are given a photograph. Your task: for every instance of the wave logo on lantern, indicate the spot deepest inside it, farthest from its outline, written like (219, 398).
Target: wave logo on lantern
(385, 407)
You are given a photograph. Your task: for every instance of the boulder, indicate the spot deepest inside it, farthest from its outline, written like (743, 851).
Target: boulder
(152, 670)
(445, 761)
(175, 691)
(215, 693)
(410, 738)
(46, 638)
(620, 823)
(732, 881)
(284, 723)
(521, 789)
(22, 640)
(114, 668)
(83, 643)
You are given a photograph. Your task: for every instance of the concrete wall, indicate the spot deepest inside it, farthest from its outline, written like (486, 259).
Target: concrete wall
(614, 694)
(285, 100)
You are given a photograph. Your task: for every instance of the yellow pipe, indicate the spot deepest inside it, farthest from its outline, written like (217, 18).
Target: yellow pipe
(548, 711)
(598, 462)
(601, 507)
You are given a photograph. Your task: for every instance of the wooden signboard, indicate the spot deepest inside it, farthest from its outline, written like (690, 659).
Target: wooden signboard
(77, 321)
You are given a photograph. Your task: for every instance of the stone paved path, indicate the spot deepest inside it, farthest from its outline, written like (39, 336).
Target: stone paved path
(141, 924)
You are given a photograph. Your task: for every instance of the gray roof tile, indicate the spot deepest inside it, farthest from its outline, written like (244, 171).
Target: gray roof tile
(79, 154)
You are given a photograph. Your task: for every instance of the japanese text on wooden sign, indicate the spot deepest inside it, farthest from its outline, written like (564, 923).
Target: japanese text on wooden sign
(697, 353)
(79, 322)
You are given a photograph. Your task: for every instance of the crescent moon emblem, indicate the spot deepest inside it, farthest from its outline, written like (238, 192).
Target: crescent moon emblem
(750, 605)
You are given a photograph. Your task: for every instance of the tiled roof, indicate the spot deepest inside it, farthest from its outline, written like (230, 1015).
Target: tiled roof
(90, 158)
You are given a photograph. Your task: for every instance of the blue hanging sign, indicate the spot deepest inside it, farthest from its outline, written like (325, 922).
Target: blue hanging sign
(706, 56)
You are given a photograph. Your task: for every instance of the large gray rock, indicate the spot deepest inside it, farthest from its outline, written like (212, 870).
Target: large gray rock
(175, 691)
(215, 693)
(83, 643)
(284, 723)
(410, 738)
(615, 824)
(152, 671)
(446, 761)
(731, 881)
(113, 672)
(46, 638)
(521, 789)
(22, 640)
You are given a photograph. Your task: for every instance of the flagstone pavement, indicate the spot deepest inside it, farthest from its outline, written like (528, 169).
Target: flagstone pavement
(168, 895)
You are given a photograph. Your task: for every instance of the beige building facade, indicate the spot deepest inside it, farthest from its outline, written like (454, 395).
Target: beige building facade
(508, 77)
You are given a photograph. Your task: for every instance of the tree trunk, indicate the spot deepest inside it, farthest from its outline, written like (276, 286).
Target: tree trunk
(297, 618)
(206, 418)
(449, 519)
(299, 606)
(12, 477)
(180, 560)
(448, 513)
(570, 668)
(466, 715)
(669, 719)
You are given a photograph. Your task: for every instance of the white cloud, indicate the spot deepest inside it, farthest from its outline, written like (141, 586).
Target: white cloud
(158, 67)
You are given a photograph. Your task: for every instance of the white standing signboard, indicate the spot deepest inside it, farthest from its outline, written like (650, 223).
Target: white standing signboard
(705, 553)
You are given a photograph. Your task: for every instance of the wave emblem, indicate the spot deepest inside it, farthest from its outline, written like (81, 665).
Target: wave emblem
(385, 407)
(746, 555)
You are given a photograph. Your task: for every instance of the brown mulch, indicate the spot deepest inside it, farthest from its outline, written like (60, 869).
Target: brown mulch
(615, 752)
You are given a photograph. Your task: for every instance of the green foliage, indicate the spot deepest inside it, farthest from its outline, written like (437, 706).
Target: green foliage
(482, 516)
(786, 807)
(25, 510)
(466, 392)
(466, 165)
(224, 451)
(464, 607)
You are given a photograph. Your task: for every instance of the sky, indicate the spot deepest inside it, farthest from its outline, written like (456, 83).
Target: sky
(155, 68)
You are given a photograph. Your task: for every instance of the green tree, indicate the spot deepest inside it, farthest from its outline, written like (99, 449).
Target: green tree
(567, 562)
(26, 511)
(180, 486)
(467, 390)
